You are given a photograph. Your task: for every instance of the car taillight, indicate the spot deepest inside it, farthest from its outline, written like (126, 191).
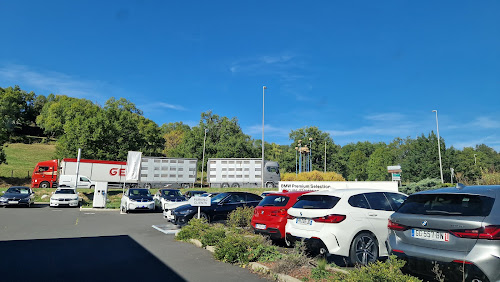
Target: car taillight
(288, 216)
(280, 212)
(332, 218)
(491, 232)
(396, 226)
(255, 211)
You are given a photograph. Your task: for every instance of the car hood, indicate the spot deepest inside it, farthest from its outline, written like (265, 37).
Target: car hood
(139, 197)
(15, 195)
(174, 199)
(63, 196)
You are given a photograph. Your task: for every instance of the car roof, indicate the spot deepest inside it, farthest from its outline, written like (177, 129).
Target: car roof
(348, 192)
(289, 193)
(487, 190)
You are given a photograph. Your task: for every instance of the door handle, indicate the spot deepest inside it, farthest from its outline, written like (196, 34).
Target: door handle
(372, 214)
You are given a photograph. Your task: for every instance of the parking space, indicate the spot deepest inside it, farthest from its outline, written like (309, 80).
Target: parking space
(68, 243)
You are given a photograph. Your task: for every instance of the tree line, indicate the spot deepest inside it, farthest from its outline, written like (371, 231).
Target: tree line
(108, 132)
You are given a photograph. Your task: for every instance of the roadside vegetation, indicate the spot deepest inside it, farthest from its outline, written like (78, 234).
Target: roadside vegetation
(234, 242)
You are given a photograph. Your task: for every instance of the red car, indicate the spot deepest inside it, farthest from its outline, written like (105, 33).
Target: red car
(269, 217)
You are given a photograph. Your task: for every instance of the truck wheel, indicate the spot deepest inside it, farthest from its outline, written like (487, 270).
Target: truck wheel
(45, 184)
(185, 185)
(235, 185)
(92, 186)
(269, 185)
(148, 186)
(225, 185)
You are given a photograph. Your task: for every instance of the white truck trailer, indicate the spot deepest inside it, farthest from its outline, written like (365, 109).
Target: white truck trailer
(155, 172)
(242, 172)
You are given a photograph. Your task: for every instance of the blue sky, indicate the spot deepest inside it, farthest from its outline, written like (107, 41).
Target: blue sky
(359, 70)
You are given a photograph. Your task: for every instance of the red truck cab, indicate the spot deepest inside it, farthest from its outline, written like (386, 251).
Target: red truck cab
(45, 175)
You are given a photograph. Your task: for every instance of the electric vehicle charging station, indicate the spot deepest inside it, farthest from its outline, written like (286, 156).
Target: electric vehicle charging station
(100, 194)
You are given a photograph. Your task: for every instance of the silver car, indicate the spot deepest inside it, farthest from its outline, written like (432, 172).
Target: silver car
(452, 230)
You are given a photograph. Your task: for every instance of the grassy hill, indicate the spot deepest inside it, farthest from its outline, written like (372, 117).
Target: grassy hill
(21, 160)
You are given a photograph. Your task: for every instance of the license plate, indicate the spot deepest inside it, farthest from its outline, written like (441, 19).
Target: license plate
(13, 202)
(430, 235)
(260, 226)
(304, 221)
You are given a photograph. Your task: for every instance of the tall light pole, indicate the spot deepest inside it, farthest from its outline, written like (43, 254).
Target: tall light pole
(439, 146)
(310, 154)
(325, 156)
(262, 175)
(203, 162)
(300, 156)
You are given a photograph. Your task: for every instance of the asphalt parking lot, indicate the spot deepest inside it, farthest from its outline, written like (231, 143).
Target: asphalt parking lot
(68, 244)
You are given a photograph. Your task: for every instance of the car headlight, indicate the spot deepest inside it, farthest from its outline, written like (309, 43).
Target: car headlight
(75, 199)
(132, 200)
(3, 199)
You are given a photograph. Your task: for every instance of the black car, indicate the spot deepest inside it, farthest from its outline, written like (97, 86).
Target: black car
(17, 195)
(221, 205)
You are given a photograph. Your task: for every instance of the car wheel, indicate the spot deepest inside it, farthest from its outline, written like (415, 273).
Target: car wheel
(364, 249)
(288, 243)
(147, 186)
(269, 185)
(202, 215)
(92, 186)
(45, 184)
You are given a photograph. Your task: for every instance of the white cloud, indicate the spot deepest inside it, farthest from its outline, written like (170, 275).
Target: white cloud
(169, 106)
(486, 122)
(284, 66)
(53, 82)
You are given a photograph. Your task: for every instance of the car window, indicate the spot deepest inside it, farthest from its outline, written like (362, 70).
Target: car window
(359, 201)
(18, 190)
(448, 205)
(253, 198)
(84, 179)
(140, 192)
(378, 201)
(316, 202)
(65, 191)
(219, 197)
(236, 198)
(395, 199)
(274, 201)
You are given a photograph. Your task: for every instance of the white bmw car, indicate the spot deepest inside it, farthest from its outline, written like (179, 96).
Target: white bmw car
(345, 222)
(65, 197)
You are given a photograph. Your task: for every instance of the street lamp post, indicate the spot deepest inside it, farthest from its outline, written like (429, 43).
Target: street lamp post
(439, 147)
(310, 154)
(262, 172)
(300, 156)
(203, 162)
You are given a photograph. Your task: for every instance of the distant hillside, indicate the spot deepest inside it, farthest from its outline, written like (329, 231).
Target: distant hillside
(21, 160)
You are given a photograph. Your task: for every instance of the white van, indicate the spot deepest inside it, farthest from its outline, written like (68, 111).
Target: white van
(69, 181)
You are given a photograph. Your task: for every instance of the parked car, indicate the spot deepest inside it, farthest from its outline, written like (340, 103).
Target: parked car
(165, 196)
(137, 199)
(190, 194)
(457, 228)
(221, 205)
(345, 222)
(270, 215)
(65, 197)
(17, 195)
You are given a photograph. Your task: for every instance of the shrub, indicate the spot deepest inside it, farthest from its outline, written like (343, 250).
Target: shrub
(422, 185)
(195, 229)
(213, 235)
(312, 176)
(234, 248)
(320, 272)
(296, 259)
(241, 217)
(390, 270)
(489, 178)
(264, 252)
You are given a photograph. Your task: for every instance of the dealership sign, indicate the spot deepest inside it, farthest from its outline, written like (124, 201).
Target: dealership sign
(332, 185)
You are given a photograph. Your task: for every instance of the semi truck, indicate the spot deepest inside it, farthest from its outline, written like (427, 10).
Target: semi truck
(242, 172)
(154, 172)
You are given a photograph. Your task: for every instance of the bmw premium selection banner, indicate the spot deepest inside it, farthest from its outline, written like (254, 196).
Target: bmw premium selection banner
(331, 185)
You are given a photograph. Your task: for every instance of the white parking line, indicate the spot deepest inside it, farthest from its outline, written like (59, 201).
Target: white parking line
(89, 213)
(168, 232)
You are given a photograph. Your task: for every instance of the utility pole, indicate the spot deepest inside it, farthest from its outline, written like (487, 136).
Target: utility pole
(325, 156)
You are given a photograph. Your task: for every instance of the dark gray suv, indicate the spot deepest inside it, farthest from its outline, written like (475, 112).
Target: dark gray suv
(456, 228)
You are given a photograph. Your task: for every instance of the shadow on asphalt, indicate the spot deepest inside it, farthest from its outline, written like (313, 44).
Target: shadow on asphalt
(109, 258)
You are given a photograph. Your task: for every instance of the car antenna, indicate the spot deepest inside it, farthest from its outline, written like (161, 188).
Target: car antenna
(460, 186)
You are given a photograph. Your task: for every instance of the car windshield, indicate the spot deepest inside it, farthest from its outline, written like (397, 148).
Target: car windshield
(217, 198)
(274, 201)
(140, 192)
(18, 190)
(316, 202)
(447, 205)
(65, 191)
(172, 193)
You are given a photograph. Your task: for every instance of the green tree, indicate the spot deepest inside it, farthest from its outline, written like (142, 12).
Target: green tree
(378, 162)
(356, 166)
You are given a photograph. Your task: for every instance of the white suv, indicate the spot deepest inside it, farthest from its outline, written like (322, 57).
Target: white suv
(345, 222)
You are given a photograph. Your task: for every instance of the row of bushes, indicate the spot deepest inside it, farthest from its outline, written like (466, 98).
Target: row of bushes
(235, 243)
(312, 176)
